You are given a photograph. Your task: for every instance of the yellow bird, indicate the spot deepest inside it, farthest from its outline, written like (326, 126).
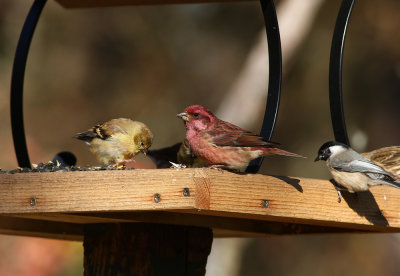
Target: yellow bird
(117, 141)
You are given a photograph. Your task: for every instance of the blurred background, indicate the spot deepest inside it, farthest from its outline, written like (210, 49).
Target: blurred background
(149, 62)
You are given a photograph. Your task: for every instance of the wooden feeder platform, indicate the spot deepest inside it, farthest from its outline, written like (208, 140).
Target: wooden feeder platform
(163, 221)
(59, 204)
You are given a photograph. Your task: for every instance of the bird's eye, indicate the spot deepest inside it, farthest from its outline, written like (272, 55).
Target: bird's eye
(195, 114)
(142, 144)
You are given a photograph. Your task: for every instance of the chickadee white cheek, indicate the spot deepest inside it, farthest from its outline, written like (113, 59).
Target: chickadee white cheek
(335, 150)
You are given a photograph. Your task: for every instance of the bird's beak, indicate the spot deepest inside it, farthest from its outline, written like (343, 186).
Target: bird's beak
(184, 116)
(144, 151)
(317, 159)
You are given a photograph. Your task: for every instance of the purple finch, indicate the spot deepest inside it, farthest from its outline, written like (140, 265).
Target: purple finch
(188, 158)
(222, 144)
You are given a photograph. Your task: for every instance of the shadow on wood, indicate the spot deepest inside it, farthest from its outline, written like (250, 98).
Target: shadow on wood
(291, 181)
(364, 204)
(358, 201)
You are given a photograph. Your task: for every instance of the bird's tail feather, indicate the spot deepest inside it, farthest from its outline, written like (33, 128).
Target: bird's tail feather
(395, 183)
(278, 151)
(85, 136)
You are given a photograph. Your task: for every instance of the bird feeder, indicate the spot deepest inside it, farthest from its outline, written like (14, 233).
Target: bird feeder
(162, 221)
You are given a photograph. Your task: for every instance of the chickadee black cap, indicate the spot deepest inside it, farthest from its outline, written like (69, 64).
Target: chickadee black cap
(324, 152)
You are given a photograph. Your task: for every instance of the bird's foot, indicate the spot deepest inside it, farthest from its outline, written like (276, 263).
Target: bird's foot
(217, 167)
(338, 188)
(122, 164)
(339, 196)
(119, 165)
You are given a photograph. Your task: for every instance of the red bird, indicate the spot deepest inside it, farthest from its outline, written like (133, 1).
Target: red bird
(222, 144)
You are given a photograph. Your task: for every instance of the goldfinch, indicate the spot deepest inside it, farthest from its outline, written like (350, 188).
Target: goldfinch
(117, 141)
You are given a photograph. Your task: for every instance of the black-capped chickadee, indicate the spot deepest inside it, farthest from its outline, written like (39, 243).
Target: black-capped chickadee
(351, 170)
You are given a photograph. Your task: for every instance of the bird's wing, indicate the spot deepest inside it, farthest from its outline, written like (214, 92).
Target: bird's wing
(367, 167)
(110, 128)
(100, 131)
(360, 164)
(227, 134)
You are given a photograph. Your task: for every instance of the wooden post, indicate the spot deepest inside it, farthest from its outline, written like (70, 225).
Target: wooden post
(145, 249)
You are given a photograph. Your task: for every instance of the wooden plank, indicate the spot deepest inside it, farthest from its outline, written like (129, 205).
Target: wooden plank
(79, 218)
(94, 191)
(301, 200)
(41, 228)
(222, 226)
(109, 3)
(297, 201)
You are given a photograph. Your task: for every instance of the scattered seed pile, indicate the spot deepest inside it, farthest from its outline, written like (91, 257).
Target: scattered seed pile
(57, 167)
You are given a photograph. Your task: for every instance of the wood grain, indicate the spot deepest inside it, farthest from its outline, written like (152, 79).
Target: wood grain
(226, 201)
(146, 249)
(108, 3)
(94, 191)
(303, 200)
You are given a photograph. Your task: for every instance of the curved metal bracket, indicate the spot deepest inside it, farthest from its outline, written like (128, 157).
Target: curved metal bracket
(275, 76)
(18, 73)
(335, 72)
(17, 83)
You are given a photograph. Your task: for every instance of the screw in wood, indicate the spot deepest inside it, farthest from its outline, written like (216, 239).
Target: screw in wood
(157, 198)
(32, 201)
(186, 192)
(265, 203)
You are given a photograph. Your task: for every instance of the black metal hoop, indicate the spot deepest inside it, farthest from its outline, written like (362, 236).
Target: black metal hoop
(18, 73)
(275, 76)
(17, 83)
(335, 72)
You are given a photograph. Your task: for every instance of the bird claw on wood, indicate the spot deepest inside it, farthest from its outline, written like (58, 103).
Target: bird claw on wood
(216, 167)
(122, 164)
(339, 196)
(177, 166)
(338, 188)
